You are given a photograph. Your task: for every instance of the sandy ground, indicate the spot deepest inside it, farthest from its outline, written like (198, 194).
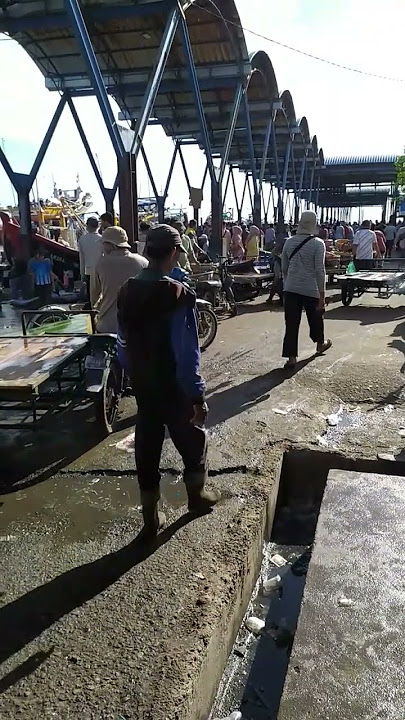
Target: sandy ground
(93, 626)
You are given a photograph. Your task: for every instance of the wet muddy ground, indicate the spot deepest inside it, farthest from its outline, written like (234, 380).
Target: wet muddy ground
(94, 627)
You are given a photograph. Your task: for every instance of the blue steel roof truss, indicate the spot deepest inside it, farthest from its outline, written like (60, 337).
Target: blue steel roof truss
(253, 140)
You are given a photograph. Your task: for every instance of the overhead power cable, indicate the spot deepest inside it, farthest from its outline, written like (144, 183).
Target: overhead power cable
(297, 50)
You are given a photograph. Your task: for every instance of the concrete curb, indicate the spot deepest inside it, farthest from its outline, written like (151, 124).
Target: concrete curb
(224, 632)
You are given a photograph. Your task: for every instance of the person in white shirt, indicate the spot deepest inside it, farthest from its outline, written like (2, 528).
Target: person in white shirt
(390, 232)
(90, 250)
(364, 246)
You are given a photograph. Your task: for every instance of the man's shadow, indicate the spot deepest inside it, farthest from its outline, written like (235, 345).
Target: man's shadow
(24, 619)
(237, 399)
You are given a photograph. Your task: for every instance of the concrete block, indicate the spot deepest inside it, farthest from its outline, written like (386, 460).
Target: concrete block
(347, 661)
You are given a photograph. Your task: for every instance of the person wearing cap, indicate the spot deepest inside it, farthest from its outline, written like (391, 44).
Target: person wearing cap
(156, 316)
(304, 277)
(114, 268)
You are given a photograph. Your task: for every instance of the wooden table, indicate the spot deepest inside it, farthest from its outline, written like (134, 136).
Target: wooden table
(26, 363)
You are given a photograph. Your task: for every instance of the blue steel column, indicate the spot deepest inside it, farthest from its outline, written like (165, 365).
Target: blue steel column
(149, 171)
(311, 187)
(295, 193)
(47, 139)
(216, 194)
(285, 172)
(280, 209)
(183, 164)
(23, 182)
(156, 78)
(23, 186)
(265, 150)
(318, 185)
(161, 207)
(225, 193)
(235, 192)
(108, 193)
(86, 48)
(243, 198)
(256, 201)
(231, 131)
(301, 180)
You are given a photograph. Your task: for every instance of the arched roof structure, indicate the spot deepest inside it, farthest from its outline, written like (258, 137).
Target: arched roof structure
(127, 36)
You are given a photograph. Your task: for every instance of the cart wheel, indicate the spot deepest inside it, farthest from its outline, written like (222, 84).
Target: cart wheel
(347, 294)
(106, 402)
(46, 316)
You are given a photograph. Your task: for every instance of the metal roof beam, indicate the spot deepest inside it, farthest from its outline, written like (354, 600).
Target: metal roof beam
(188, 111)
(96, 80)
(61, 20)
(155, 79)
(136, 83)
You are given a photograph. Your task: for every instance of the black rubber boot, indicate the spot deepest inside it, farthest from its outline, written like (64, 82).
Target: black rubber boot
(153, 519)
(200, 501)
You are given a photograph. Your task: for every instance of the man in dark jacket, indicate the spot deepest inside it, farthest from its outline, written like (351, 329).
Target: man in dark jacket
(156, 316)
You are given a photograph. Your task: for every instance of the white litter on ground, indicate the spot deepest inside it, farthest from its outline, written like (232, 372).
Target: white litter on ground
(255, 625)
(278, 560)
(272, 584)
(386, 456)
(127, 444)
(345, 602)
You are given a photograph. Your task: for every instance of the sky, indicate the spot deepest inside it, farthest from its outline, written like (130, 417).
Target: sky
(350, 113)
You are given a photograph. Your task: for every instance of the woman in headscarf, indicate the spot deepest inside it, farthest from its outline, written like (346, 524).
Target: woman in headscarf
(253, 243)
(236, 245)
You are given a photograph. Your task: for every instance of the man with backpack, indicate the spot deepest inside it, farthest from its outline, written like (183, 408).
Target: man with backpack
(304, 277)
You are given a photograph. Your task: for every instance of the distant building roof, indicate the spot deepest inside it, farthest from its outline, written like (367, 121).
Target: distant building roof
(361, 159)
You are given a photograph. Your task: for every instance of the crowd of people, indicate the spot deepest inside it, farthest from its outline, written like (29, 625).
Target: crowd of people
(384, 237)
(139, 298)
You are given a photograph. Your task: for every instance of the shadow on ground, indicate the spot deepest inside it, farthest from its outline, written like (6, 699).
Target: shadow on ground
(232, 401)
(366, 315)
(32, 456)
(27, 617)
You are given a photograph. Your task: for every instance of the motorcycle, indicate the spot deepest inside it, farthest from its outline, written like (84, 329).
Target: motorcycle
(242, 278)
(207, 323)
(217, 292)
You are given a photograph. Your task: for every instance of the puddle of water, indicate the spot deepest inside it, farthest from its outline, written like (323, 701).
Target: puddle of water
(254, 683)
(74, 507)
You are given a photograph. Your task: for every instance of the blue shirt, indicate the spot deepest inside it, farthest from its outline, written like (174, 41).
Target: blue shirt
(42, 271)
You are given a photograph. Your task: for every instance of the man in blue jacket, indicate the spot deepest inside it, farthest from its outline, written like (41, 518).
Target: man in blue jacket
(156, 316)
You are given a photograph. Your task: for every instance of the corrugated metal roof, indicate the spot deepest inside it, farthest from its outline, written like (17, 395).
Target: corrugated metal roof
(126, 46)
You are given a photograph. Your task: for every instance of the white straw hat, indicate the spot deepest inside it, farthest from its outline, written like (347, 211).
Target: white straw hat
(308, 224)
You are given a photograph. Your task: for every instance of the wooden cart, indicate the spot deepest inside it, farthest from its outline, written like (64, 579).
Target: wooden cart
(53, 365)
(383, 279)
